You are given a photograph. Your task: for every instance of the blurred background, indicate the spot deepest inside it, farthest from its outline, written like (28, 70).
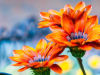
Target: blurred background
(18, 26)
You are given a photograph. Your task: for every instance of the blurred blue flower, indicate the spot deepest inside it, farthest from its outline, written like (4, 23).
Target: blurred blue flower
(2, 29)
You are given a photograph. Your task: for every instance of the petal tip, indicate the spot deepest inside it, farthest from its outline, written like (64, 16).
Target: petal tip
(81, 2)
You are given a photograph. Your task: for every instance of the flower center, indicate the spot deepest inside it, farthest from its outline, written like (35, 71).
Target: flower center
(78, 35)
(39, 59)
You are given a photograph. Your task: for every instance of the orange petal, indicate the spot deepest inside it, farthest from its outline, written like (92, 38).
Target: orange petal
(59, 38)
(79, 6)
(95, 31)
(54, 50)
(54, 12)
(29, 48)
(19, 64)
(85, 47)
(30, 51)
(48, 45)
(90, 24)
(97, 41)
(57, 29)
(94, 34)
(55, 18)
(77, 41)
(88, 9)
(50, 63)
(56, 68)
(80, 22)
(39, 65)
(56, 36)
(41, 27)
(20, 54)
(57, 54)
(60, 58)
(17, 52)
(47, 49)
(45, 24)
(45, 63)
(63, 48)
(70, 12)
(93, 38)
(22, 69)
(67, 24)
(45, 15)
(34, 64)
(62, 11)
(41, 46)
(95, 45)
(67, 6)
(77, 14)
(17, 59)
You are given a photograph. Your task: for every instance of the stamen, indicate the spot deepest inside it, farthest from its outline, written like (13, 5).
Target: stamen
(79, 35)
(31, 61)
(48, 57)
(68, 38)
(72, 35)
(39, 56)
(85, 36)
(45, 58)
(76, 36)
(42, 58)
(35, 59)
(39, 59)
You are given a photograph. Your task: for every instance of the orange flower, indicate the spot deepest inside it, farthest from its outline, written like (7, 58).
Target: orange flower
(43, 56)
(53, 17)
(83, 32)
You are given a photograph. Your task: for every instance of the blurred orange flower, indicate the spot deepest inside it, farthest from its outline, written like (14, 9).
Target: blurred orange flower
(83, 32)
(53, 17)
(44, 55)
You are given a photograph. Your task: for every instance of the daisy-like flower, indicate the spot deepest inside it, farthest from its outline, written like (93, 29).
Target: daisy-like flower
(53, 17)
(82, 33)
(43, 56)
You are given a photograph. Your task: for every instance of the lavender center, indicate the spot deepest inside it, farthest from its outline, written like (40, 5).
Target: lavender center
(78, 35)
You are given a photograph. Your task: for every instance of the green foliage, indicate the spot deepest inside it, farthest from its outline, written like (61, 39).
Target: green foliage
(40, 71)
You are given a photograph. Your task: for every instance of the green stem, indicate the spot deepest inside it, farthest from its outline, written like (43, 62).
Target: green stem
(40, 71)
(81, 65)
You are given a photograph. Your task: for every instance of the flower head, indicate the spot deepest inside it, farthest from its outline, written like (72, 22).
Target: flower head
(82, 33)
(44, 55)
(53, 17)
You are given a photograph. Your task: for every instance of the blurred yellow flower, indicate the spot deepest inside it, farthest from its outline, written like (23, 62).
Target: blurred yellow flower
(94, 61)
(79, 72)
(66, 65)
